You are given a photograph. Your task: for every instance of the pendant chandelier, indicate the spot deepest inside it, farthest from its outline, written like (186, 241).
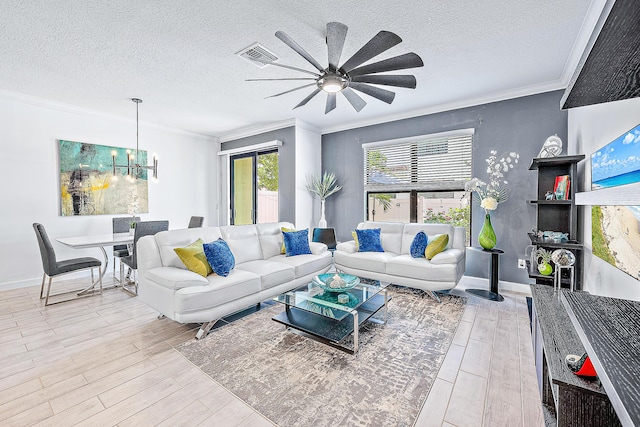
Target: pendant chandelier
(135, 169)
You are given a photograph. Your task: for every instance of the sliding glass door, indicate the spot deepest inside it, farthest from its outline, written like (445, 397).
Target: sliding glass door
(254, 188)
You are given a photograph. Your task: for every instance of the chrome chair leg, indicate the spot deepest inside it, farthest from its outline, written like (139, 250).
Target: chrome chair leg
(44, 275)
(46, 301)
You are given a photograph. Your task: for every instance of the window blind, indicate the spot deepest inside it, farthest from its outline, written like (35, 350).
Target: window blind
(430, 162)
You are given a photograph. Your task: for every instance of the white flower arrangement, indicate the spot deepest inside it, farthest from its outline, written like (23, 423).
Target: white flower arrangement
(494, 192)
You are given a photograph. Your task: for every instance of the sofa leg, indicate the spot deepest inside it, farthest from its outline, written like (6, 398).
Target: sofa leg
(204, 329)
(434, 296)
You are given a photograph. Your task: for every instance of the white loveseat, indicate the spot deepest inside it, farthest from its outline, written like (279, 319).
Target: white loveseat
(396, 265)
(261, 272)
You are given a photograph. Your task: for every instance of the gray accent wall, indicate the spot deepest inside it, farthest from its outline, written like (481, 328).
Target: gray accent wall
(286, 166)
(520, 124)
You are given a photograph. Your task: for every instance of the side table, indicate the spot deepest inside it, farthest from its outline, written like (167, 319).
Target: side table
(492, 294)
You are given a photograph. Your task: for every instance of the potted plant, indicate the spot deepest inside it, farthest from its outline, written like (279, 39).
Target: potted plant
(543, 257)
(132, 228)
(323, 186)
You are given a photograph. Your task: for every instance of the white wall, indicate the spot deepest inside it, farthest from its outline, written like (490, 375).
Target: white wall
(308, 159)
(590, 128)
(29, 173)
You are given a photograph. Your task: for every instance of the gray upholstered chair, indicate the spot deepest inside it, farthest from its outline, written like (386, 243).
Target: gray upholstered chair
(326, 236)
(53, 268)
(196, 221)
(121, 225)
(143, 228)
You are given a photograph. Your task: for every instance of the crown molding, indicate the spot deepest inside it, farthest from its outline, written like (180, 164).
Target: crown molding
(255, 130)
(496, 97)
(308, 126)
(68, 108)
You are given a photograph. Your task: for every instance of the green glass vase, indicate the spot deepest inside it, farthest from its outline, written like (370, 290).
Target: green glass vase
(487, 237)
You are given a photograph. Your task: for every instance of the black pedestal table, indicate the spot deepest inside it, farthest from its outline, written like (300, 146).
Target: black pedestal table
(492, 294)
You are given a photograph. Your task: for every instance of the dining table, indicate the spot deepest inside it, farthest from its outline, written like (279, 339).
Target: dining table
(99, 241)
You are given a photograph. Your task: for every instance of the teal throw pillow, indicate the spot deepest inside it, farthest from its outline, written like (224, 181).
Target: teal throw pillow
(419, 245)
(219, 257)
(369, 240)
(296, 242)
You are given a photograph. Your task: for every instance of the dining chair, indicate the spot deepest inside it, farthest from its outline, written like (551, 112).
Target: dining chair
(326, 236)
(121, 225)
(196, 221)
(143, 228)
(53, 268)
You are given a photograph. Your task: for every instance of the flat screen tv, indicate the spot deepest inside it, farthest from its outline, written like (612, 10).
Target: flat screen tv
(617, 163)
(615, 234)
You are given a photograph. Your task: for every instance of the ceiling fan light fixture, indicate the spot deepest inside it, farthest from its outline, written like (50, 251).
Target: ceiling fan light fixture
(332, 83)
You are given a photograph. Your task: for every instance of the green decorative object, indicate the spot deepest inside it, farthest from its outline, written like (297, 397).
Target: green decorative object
(543, 257)
(487, 237)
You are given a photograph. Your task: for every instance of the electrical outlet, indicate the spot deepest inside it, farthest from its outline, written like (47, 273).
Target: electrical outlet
(522, 263)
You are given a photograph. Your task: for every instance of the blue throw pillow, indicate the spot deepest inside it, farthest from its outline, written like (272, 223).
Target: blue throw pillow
(296, 242)
(419, 245)
(369, 240)
(219, 257)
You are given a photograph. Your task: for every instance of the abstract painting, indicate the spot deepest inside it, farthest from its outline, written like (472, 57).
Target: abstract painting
(615, 236)
(617, 163)
(89, 187)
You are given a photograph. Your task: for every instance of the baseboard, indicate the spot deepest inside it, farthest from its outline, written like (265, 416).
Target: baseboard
(37, 281)
(503, 285)
(20, 284)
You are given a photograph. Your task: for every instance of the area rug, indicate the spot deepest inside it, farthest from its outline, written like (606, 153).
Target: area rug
(295, 381)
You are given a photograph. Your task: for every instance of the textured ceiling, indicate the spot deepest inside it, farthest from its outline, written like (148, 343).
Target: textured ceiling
(179, 55)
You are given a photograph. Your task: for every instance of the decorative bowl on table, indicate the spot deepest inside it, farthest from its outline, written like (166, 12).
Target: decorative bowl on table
(336, 282)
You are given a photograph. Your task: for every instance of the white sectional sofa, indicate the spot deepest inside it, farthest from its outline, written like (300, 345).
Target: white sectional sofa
(396, 265)
(261, 272)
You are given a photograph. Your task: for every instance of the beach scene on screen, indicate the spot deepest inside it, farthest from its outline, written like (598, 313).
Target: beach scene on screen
(616, 236)
(617, 163)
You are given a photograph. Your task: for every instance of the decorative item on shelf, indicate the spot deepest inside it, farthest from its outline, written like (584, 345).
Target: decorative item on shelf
(581, 365)
(491, 194)
(549, 195)
(563, 257)
(561, 187)
(543, 258)
(555, 236)
(552, 147)
(323, 186)
(133, 167)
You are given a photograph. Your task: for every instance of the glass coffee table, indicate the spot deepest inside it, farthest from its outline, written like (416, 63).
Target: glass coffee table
(325, 316)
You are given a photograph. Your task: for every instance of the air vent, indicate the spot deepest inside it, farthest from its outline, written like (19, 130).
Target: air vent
(257, 55)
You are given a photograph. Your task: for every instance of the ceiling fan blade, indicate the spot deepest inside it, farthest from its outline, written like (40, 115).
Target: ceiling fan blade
(336, 34)
(354, 99)
(291, 68)
(379, 93)
(304, 101)
(331, 102)
(382, 41)
(408, 60)
(404, 80)
(295, 46)
(290, 90)
(288, 78)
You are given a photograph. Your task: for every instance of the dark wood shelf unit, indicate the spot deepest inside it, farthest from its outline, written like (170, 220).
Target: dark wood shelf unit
(567, 400)
(557, 215)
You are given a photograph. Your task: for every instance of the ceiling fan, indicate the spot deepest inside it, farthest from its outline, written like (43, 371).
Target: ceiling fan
(351, 76)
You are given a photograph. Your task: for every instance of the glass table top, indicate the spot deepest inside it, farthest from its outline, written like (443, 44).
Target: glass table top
(313, 298)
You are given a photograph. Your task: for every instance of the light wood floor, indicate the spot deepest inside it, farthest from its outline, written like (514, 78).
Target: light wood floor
(107, 360)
